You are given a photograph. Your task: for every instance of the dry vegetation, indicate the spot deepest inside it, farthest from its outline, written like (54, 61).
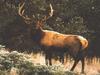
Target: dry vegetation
(15, 63)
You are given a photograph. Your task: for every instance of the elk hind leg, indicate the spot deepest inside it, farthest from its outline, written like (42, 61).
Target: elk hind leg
(82, 53)
(83, 64)
(74, 65)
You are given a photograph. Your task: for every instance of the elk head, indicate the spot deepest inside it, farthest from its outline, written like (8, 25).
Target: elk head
(30, 20)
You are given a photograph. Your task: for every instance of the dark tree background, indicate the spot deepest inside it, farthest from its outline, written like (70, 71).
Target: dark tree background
(80, 17)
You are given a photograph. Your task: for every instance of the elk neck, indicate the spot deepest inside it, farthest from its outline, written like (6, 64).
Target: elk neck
(37, 34)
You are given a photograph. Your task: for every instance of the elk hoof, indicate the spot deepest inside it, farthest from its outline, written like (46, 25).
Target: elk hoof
(82, 73)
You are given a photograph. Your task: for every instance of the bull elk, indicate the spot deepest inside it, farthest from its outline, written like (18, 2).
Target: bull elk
(52, 41)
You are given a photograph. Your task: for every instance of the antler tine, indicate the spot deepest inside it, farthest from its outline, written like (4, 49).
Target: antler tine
(50, 13)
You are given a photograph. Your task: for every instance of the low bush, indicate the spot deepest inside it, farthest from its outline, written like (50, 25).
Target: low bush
(15, 63)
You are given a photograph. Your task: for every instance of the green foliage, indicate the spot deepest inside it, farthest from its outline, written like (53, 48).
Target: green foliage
(14, 63)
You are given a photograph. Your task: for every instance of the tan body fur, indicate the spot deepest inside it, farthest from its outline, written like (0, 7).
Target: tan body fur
(52, 38)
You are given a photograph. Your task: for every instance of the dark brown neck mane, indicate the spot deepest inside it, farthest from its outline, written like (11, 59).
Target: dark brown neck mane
(37, 35)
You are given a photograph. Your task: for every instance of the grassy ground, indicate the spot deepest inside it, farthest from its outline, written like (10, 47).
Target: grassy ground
(14, 63)
(90, 68)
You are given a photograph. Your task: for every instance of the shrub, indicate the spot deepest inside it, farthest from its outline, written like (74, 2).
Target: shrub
(15, 63)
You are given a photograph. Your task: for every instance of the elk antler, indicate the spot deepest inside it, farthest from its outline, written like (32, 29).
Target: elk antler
(21, 12)
(50, 14)
(40, 22)
(28, 19)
